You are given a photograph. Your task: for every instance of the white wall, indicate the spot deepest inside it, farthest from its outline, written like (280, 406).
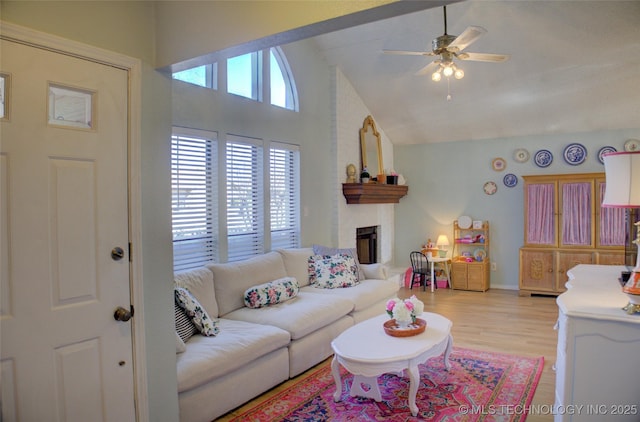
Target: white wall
(445, 181)
(349, 114)
(200, 108)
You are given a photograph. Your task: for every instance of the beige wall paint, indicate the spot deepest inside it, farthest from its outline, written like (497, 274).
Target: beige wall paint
(127, 27)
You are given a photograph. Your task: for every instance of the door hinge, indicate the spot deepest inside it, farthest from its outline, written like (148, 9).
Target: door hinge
(130, 255)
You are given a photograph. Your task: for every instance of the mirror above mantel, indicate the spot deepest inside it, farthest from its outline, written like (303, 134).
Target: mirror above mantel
(372, 192)
(370, 148)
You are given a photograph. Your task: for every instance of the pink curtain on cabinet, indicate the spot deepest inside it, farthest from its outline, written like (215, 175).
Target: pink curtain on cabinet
(576, 214)
(541, 224)
(612, 224)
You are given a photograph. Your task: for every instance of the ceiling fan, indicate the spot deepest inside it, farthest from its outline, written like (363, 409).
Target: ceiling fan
(449, 47)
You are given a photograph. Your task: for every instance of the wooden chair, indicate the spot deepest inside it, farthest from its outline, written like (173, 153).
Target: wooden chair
(421, 271)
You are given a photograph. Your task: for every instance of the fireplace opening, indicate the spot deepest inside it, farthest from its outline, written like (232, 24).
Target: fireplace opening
(367, 244)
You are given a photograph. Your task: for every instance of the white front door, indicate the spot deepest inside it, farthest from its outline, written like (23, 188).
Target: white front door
(63, 210)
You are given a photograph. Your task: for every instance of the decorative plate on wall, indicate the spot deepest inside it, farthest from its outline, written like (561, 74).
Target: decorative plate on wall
(510, 180)
(490, 188)
(498, 164)
(575, 154)
(543, 158)
(632, 145)
(521, 155)
(603, 151)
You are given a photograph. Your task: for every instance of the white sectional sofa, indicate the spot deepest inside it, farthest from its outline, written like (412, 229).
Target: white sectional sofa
(258, 348)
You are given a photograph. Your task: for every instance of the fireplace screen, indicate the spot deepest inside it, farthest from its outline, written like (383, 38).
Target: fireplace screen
(367, 244)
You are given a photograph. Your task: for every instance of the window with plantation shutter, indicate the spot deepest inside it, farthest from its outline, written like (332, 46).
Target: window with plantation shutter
(194, 198)
(245, 198)
(284, 179)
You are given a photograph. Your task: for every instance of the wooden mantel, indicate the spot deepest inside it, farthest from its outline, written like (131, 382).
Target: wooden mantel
(373, 193)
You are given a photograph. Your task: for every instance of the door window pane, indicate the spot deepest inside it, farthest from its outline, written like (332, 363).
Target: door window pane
(70, 107)
(4, 96)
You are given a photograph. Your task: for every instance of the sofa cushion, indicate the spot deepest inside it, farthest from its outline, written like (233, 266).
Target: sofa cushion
(238, 343)
(230, 280)
(195, 311)
(184, 326)
(377, 271)
(301, 315)
(296, 262)
(365, 294)
(332, 272)
(199, 282)
(271, 293)
(180, 346)
(352, 252)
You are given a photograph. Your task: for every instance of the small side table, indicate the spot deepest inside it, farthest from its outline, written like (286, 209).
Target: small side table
(436, 260)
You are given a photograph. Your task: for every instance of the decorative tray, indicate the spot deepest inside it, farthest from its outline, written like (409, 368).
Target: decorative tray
(392, 328)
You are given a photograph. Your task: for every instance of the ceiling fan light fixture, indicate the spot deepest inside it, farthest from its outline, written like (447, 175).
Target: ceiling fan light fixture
(437, 75)
(447, 71)
(458, 74)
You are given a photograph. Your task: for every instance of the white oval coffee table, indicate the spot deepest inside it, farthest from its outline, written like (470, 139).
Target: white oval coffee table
(367, 351)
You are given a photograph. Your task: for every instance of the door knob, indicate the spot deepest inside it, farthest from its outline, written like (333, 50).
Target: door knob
(122, 314)
(117, 253)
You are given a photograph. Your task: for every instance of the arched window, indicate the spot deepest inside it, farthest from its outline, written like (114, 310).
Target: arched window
(283, 88)
(205, 76)
(244, 77)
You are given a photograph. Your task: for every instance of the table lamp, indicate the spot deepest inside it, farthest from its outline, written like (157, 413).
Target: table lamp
(622, 170)
(442, 243)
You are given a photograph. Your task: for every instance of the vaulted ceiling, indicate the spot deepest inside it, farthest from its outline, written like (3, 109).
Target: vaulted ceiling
(574, 67)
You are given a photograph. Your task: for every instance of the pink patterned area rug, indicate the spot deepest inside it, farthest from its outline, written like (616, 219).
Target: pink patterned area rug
(481, 386)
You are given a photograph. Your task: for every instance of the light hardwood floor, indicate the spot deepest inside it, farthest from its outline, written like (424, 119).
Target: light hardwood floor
(496, 320)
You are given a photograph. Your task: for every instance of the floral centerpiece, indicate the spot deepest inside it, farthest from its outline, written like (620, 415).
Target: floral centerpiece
(405, 310)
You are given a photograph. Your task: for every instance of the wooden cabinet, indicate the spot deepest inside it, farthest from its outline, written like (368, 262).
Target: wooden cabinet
(564, 225)
(470, 263)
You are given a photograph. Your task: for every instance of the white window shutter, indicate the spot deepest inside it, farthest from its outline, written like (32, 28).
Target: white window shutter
(245, 198)
(193, 199)
(284, 177)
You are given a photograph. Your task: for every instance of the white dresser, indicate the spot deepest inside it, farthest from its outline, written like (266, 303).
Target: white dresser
(598, 357)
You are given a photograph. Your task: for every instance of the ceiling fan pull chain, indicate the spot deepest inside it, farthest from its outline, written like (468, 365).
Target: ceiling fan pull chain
(448, 89)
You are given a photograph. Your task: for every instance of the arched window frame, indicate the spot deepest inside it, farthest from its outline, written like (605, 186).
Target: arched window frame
(261, 65)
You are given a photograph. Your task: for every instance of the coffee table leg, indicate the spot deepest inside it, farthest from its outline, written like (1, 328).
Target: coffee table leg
(371, 382)
(414, 381)
(447, 352)
(335, 371)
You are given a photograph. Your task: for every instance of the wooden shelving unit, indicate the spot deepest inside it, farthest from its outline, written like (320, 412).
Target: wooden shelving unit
(467, 273)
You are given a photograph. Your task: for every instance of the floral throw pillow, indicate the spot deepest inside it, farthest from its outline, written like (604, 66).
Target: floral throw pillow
(352, 252)
(270, 293)
(196, 312)
(331, 272)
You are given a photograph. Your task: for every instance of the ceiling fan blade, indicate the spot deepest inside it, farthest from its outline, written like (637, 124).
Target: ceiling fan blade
(469, 36)
(408, 53)
(483, 57)
(431, 67)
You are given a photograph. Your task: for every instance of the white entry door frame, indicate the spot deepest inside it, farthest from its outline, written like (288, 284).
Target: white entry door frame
(133, 68)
